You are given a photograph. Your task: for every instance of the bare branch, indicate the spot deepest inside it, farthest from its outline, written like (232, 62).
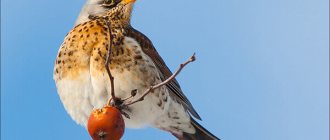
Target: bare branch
(107, 62)
(145, 93)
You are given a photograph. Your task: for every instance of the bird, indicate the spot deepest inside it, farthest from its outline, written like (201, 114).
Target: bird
(83, 84)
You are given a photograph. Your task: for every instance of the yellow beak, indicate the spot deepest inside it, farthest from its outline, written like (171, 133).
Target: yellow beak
(127, 1)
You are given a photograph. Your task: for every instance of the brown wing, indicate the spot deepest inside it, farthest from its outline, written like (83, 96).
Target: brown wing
(173, 86)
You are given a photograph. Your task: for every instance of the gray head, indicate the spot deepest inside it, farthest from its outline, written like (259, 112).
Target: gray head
(102, 7)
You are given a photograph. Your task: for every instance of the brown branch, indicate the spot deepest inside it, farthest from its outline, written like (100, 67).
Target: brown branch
(107, 62)
(145, 93)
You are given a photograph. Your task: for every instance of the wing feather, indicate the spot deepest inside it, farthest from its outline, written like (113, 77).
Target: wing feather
(173, 86)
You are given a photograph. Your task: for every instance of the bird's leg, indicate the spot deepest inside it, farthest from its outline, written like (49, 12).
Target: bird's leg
(172, 77)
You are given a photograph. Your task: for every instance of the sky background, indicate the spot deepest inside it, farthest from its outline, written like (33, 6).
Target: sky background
(262, 71)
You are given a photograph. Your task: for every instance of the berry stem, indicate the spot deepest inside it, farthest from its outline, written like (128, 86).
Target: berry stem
(107, 62)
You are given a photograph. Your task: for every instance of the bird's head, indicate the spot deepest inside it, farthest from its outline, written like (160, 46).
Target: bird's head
(115, 9)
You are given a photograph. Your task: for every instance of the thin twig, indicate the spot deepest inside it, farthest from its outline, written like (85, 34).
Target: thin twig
(107, 62)
(145, 93)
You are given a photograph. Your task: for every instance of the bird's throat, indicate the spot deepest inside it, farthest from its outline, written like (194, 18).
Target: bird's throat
(120, 16)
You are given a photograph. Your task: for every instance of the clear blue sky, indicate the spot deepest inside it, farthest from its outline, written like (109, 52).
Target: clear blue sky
(262, 71)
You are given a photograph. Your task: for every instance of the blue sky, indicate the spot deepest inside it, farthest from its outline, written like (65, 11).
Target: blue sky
(262, 71)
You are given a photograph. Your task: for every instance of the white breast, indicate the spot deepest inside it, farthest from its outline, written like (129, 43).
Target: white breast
(81, 95)
(75, 96)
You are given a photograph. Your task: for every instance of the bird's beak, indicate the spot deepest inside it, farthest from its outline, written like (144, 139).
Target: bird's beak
(128, 1)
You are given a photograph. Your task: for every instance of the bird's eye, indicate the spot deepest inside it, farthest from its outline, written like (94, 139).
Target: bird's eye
(110, 3)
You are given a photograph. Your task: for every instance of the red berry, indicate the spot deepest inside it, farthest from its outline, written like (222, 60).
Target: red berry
(106, 124)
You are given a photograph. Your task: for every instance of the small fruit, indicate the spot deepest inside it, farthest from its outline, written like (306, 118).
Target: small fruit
(106, 124)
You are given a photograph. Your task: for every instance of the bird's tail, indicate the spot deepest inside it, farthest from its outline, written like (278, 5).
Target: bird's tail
(201, 133)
